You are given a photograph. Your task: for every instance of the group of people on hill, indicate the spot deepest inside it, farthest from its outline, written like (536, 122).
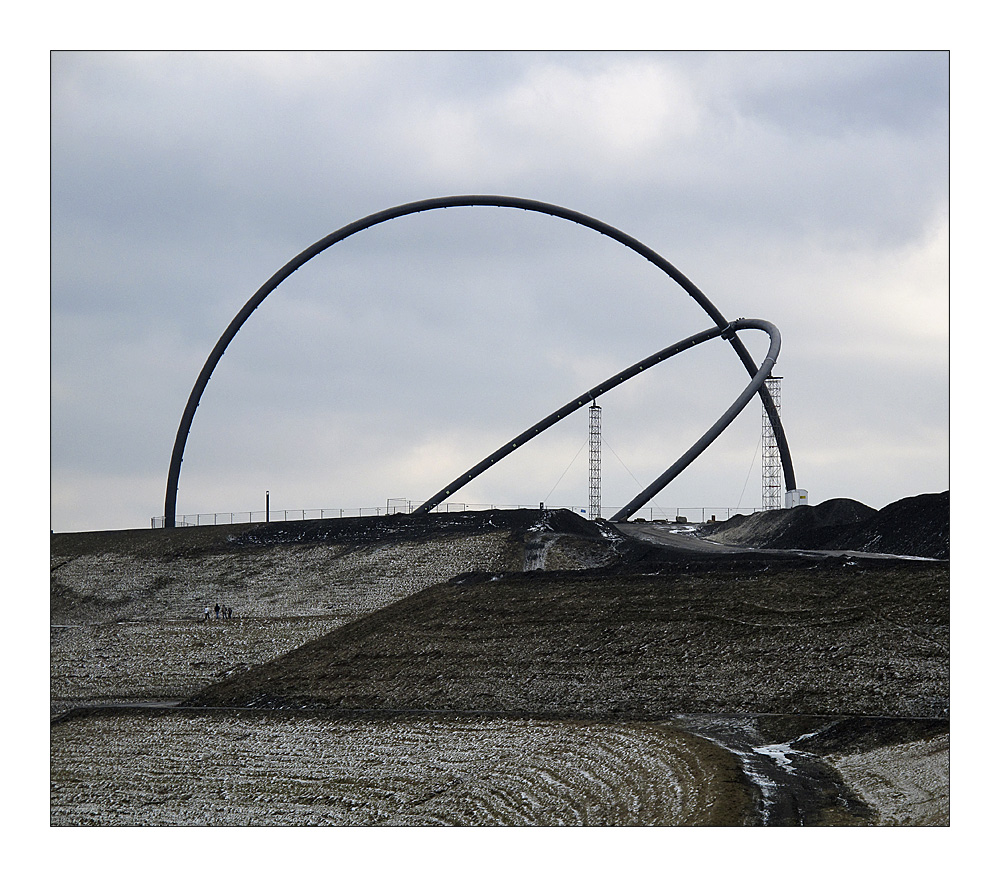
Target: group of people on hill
(224, 612)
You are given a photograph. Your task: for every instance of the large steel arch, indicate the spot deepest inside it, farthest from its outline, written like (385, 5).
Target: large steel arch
(187, 418)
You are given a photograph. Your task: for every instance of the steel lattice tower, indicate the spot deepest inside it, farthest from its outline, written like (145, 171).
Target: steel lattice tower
(595, 461)
(770, 458)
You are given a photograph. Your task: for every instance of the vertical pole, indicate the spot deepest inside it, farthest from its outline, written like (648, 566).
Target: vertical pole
(267, 505)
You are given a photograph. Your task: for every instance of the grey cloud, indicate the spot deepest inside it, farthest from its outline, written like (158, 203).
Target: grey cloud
(835, 94)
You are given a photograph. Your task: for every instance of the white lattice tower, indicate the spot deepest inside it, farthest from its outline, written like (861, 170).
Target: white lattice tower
(595, 461)
(770, 458)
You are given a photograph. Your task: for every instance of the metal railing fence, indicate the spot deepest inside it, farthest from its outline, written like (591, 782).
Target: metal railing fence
(694, 514)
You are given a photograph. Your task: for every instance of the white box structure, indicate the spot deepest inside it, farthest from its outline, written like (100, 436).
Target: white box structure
(796, 497)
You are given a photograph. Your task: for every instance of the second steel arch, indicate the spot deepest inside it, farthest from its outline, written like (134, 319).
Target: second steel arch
(685, 460)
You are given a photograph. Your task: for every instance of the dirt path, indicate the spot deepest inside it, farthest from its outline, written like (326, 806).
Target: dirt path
(682, 537)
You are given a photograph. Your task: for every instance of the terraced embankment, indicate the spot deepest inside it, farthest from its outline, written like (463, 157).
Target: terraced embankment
(126, 608)
(260, 769)
(507, 668)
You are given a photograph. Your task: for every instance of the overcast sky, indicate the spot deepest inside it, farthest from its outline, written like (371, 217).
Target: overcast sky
(806, 189)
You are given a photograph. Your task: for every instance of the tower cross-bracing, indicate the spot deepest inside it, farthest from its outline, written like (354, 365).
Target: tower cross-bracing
(770, 458)
(595, 461)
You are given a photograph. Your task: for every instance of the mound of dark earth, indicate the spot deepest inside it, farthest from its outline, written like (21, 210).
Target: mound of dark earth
(917, 526)
(414, 528)
(802, 636)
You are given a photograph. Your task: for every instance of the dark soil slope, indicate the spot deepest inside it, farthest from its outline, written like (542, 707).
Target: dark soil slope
(830, 637)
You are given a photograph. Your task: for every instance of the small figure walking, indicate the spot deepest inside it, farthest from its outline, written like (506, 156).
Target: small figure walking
(208, 612)
(216, 611)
